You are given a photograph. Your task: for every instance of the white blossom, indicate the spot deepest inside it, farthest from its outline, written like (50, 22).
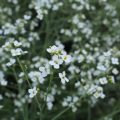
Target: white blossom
(43, 71)
(66, 58)
(17, 52)
(11, 62)
(103, 80)
(32, 92)
(56, 62)
(54, 50)
(101, 67)
(17, 44)
(63, 77)
(115, 61)
(115, 71)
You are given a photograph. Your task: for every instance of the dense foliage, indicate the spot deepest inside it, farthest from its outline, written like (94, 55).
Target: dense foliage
(59, 59)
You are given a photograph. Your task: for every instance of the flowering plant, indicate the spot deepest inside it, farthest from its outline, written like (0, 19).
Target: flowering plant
(60, 59)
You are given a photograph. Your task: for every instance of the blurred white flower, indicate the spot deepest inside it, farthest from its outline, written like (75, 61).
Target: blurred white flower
(43, 71)
(115, 71)
(101, 67)
(32, 92)
(49, 105)
(17, 44)
(115, 61)
(7, 46)
(63, 77)
(107, 54)
(3, 82)
(54, 50)
(27, 17)
(17, 52)
(66, 58)
(103, 80)
(36, 76)
(11, 62)
(56, 62)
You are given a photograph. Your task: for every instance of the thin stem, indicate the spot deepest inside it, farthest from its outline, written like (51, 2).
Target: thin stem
(26, 76)
(62, 112)
(111, 114)
(25, 116)
(38, 103)
(65, 110)
(48, 89)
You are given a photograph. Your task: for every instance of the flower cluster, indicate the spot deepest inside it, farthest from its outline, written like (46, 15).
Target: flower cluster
(14, 48)
(59, 56)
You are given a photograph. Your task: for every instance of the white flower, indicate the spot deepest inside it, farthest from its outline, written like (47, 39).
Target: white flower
(59, 44)
(107, 54)
(43, 71)
(27, 17)
(17, 52)
(99, 92)
(11, 62)
(39, 14)
(103, 80)
(90, 89)
(7, 46)
(32, 92)
(1, 75)
(77, 84)
(49, 105)
(36, 76)
(115, 71)
(66, 58)
(56, 62)
(41, 79)
(63, 77)
(101, 67)
(115, 61)
(54, 50)
(99, 95)
(49, 100)
(17, 44)
(3, 82)
(80, 58)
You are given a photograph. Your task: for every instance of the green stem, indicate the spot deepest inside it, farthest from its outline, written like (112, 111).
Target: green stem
(111, 114)
(62, 112)
(65, 110)
(26, 76)
(24, 71)
(48, 89)
(25, 116)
